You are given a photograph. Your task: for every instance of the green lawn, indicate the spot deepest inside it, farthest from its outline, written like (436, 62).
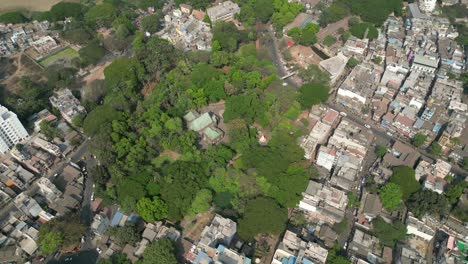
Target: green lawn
(66, 54)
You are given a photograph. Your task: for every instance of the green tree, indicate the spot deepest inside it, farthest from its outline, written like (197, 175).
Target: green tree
(262, 215)
(201, 203)
(465, 163)
(375, 11)
(49, 130)
(227, 35)
(78, 120)
(62, 231)
(127, 234)
(180, 186)
(329, 40)
(50, 241)
(101, 15)
(381, 151)
(62, 10)
(285, 12)
(377, 59)
(313, 74)
(249, 107)
(163, 250)
(152, 23)
(419, 140)
(332, 14)
(92, 53)
(352, 62)
(151, 210)
(388, 234)
(312, 93)
(304, 36)
(14, 17)
(364, 30)
(427, 202)
(337, 256)
(405, 178)
(435, 149)
(390, 195)
(263, 10)
(98, 118)
(455, 191)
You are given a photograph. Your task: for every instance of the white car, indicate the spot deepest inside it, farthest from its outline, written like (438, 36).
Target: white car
(99, 251)
(367, 126)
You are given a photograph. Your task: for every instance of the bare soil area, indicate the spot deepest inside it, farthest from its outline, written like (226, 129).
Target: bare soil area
(23, 66)
(331, 29)
(29, 5)
(193, 227)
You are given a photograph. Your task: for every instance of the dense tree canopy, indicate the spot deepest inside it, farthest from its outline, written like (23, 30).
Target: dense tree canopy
(362, 30)
(62, 10)
(92, 53)
(127, 234)
(152, 23)
(306, 35)
(427, 202)
(419, 140)
(151, 210)
(312, 94)
(162, 250)
(333, 13)
(405, 178)
(375, 11)
(60, 232)
(262, 215)
(390, 195)
(101, 15)
(387, 233)
(14, 17)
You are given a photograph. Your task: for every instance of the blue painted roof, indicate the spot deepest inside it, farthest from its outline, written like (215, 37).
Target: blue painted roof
(247, 260)
(221, 248)
(292, 260)
(202, 256)
(307, 261)
(436, 127)
(116, 219)
(307, 21)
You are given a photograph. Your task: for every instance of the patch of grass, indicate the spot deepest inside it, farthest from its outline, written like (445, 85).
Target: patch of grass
(66, 53)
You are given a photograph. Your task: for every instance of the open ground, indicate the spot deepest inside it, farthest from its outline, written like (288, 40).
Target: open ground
(29, 5)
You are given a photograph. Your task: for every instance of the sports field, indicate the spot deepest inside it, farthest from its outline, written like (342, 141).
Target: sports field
(29, 5)
(62, 56)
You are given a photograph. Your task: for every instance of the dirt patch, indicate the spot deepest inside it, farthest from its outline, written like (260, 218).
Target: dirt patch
(174, 155)
(193, 227)
(266, 247)
(23, 66)
(96, 73)
(331, 29)
(30, 5)
(304, 56)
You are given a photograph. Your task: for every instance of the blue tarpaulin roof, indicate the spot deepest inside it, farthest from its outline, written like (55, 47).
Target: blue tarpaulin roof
(116, 219)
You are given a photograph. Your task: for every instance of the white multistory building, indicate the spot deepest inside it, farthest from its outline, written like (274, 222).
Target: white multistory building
(11, 130)
(427, 5)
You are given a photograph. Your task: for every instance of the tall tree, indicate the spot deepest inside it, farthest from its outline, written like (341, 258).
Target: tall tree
(390, 195)
(262, 215)
(405, 177)
(161, 251)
